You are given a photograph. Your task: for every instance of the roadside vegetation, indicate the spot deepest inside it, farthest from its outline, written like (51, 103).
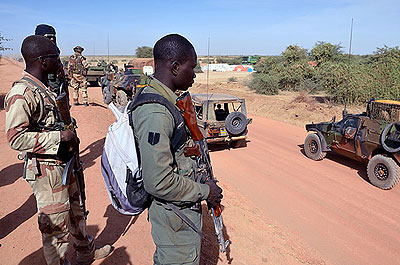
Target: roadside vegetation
(326, 69)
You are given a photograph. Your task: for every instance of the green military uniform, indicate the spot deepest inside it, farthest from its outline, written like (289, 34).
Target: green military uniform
(168, 177)
(30, 117)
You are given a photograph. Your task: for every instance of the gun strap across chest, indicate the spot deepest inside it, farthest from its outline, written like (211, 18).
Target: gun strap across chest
(29, 80)
(179, 135)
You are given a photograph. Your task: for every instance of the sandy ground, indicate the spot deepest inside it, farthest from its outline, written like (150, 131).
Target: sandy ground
(279, 206)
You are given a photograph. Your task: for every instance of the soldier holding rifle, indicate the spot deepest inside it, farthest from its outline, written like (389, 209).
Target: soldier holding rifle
(168, 175)
(34, 127)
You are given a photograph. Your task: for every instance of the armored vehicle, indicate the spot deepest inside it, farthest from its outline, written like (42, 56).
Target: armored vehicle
(94, 74)
(120, 88)
(222, 118)
(372, 137)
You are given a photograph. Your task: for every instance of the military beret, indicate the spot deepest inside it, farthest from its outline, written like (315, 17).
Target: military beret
(44, 29)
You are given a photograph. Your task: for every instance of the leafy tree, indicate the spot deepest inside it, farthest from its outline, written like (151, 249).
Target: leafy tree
(144, 52)
(325, 51)
(197, 69)
(294, 53)
(2, 40)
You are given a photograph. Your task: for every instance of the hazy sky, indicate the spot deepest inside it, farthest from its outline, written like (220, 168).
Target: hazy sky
(234, 27)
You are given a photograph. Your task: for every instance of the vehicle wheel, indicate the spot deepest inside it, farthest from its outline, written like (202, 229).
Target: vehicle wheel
(107, 96)
(239, 143)
(387, 144)
(383, 172)
(235, 123)
(313, 147)
(121, 99)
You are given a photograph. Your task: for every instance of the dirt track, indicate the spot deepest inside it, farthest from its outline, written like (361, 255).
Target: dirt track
(280, 207)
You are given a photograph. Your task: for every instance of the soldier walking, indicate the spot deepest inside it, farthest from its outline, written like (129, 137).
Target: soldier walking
(168, 175)
(77, 68)
(33, 127)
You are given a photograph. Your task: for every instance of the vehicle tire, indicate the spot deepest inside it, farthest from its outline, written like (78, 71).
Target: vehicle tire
(107, 96)
(235, 123)
(313, 147)
(383, 172)
(386, 145)
(121, 99)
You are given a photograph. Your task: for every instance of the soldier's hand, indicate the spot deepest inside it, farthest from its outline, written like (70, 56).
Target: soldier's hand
(69, 138)
(215, 194)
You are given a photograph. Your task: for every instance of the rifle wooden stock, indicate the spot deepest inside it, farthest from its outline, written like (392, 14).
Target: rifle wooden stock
(185, 104)
(200, 150)
(62, 102)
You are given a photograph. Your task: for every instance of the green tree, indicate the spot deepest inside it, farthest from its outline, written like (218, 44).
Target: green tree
(2, 40)
(144, 52)
(293, 54)
(325, 52)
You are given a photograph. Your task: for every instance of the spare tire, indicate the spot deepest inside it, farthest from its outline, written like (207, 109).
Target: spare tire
(236, 123)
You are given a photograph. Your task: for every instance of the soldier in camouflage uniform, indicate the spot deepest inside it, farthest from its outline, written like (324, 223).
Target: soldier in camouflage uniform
(77, 67)
(169, 176)
(33, 127)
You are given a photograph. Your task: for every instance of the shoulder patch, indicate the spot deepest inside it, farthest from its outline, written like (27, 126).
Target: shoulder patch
(153, 138)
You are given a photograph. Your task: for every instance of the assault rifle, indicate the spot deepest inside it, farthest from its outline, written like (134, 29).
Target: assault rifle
(62, 102)
(200, 151)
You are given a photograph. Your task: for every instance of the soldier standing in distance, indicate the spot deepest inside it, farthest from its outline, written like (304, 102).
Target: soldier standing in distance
(33, 127)
(57, 81)
(168, 175)
(77, 67)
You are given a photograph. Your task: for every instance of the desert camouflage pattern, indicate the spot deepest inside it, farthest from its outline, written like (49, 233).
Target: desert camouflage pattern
(76, 68)
(30, 118)
(78, 81)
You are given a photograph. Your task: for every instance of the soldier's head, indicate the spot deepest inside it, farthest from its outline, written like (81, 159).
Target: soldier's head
(175, 60)
(46, 31)
(78, 49)
(41, 56)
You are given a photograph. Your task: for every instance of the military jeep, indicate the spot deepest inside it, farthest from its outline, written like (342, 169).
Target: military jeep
(222, 118)
(372, 137)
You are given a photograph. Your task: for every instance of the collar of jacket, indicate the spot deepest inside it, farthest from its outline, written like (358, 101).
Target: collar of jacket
(164, 90)
(25, 73)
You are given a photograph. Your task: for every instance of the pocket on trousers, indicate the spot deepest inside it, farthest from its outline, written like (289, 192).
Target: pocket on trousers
(174, 221)
(176, 254)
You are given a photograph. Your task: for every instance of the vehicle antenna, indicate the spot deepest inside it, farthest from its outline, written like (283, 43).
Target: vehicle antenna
(208, 73)
(348, 71)
(108, 48)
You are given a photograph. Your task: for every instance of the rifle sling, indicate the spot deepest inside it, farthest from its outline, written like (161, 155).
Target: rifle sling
(185, 219)
(45, 93)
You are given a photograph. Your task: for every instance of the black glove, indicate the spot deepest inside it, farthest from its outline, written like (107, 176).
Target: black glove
(215, 194)
(69, 140)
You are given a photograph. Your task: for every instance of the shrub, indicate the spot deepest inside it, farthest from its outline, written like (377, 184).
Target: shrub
(264, 84)
(232, 79)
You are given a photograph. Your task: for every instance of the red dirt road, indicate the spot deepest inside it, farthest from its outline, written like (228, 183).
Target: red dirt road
(280, 207)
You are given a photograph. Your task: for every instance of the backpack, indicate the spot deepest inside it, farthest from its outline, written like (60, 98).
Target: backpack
(120, 161)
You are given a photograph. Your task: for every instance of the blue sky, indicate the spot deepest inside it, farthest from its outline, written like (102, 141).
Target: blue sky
(234, 27)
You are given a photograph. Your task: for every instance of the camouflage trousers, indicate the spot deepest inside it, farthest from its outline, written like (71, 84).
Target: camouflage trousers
(78, 81)
(59, 215)
(176, 242)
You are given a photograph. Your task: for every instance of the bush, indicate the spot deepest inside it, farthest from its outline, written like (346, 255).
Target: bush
(265, 84)
(232, 79)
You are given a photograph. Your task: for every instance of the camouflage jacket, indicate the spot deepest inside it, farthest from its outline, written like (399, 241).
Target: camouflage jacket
(31, 119)
(77, 65)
